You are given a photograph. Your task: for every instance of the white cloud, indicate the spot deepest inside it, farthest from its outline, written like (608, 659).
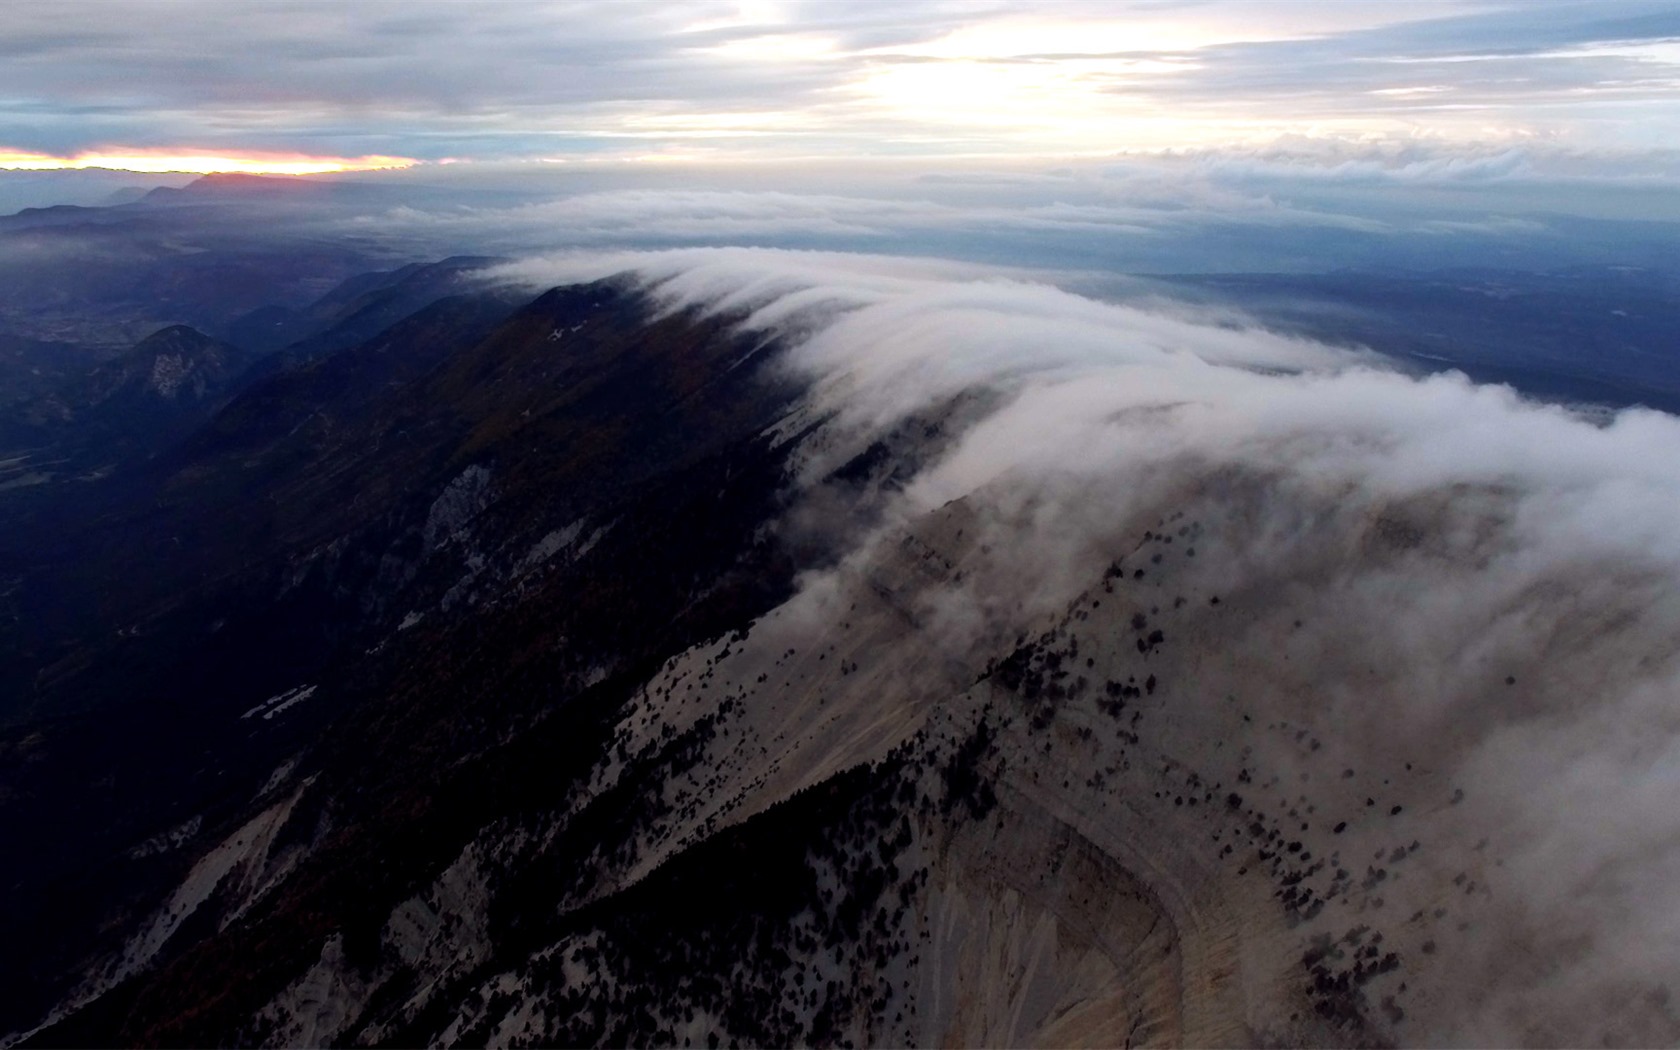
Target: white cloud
(1542, 543)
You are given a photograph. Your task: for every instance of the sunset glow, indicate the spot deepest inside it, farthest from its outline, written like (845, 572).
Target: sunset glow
(159, 161)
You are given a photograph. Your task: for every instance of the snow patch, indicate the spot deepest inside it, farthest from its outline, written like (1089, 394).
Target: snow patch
(550, 545)
(280, 702)
(280, 775)
(165, 841)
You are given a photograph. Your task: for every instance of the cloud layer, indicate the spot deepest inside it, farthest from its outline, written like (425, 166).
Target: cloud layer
(1492, 583)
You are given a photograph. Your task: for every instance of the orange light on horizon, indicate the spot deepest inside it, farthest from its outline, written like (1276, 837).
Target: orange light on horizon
(194, 162)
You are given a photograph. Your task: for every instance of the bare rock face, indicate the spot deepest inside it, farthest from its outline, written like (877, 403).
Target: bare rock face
(173, 364)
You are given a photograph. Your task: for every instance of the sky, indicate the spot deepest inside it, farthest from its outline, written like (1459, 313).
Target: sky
(1121, 136)
(298, 86)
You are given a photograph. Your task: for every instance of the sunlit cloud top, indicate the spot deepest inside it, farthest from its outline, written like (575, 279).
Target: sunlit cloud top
(810, 78)
(198, 163)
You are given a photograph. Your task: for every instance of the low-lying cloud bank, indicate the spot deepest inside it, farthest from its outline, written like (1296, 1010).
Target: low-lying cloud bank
(1497, 582)
(1219, 211)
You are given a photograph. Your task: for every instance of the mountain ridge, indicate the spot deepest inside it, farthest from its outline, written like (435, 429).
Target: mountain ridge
(616, 665)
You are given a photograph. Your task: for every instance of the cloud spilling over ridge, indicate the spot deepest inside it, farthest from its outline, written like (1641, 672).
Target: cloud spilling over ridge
(905, 333)
(1495, 583)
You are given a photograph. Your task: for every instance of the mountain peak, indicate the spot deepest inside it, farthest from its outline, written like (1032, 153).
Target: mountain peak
(174, 333)
(181, 359)
(243, 187)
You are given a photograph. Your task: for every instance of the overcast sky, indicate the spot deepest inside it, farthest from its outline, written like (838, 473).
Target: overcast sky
(570, 81)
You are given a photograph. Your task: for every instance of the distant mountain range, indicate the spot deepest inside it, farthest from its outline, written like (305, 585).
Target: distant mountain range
(201, 255)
